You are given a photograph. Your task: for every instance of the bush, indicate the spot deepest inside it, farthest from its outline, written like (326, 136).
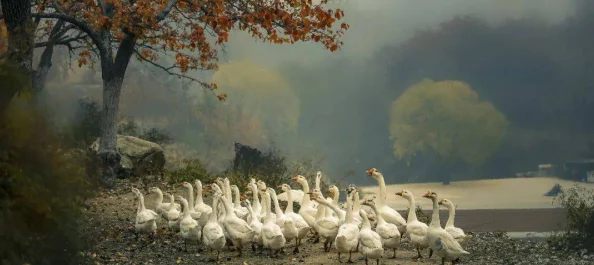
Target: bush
(190, 170)
(87, 123)
(578, 234)
(42, 188)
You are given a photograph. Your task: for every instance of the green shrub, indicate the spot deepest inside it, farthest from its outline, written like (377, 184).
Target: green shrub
(190, 170)
(42, 188)
(578, 232)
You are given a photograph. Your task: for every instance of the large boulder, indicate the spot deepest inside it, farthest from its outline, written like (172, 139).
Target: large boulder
(138, 157)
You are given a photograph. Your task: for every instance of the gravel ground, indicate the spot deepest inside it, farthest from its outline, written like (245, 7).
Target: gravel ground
(109, 221)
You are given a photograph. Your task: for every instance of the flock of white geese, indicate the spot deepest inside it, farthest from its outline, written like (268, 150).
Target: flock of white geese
(228, 222)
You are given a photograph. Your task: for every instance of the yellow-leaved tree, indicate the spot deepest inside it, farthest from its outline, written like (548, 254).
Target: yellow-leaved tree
(446, 119)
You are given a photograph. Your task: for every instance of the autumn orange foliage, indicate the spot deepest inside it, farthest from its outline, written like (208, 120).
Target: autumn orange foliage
(196, 29)
(3, 38)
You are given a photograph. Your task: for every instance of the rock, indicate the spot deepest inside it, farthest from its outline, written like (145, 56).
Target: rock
(138, 157)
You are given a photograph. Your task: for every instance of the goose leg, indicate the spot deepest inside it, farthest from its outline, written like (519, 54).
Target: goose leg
(296, 250)
(326, 245)
(442, 261)
(366, 261)
(418, 255)
(330, 246)
(339, 261)
(377, 262)
(350, 260)
(218, 255)
(394, 255)
(186, 246)
(430, 252)
(316, 238)
(253, 247)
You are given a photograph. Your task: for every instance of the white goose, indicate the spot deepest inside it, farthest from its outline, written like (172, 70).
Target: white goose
(356, 204)
(286, 223)
(199, 205)
(238, 229)
(160, 207)
(307, 209)
(347, 238)
(190, 189)
(256, 206)
(416, 230)
(272, 235)
(300, 223)
(440, 241)
(256, 225)
(388, 232)
(146, 219)
(190, 230)
(370, 243)
(456, 232)
(173, 215)
(212, 233)
(262, 187)
(389, 214)
(240, 211)
(327, 226)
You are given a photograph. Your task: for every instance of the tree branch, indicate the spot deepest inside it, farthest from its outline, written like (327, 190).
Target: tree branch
(163, 14)
(169, 71)
(79, 24)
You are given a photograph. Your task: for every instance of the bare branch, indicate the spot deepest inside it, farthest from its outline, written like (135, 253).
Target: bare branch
(83, 26)
(169, 71)
(60, 41)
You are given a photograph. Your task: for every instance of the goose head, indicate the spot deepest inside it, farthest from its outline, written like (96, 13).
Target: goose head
(405, 194)
(350, 189)
(299, 179)
(186, 185)
(332, 191)
(261, 185)
(315, 193)
(285, 187)
(447, 203)
(368, 202)
(374, 173)
(198, 184)
(430, 195)
(219, 181)
(182, 201)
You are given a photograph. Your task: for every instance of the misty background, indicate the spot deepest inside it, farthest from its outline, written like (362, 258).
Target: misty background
(532, 59)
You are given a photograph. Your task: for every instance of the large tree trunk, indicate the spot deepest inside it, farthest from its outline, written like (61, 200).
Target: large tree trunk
(112, 88)
(17, 16)
(113, 72)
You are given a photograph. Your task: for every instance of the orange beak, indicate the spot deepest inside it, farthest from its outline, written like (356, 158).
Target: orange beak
(309, 193)
(399, 193)
(370, 218)
(440, 202)
(370, 172)
(428, 194)
(280, 186)
(295, 178)
(242, 197)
